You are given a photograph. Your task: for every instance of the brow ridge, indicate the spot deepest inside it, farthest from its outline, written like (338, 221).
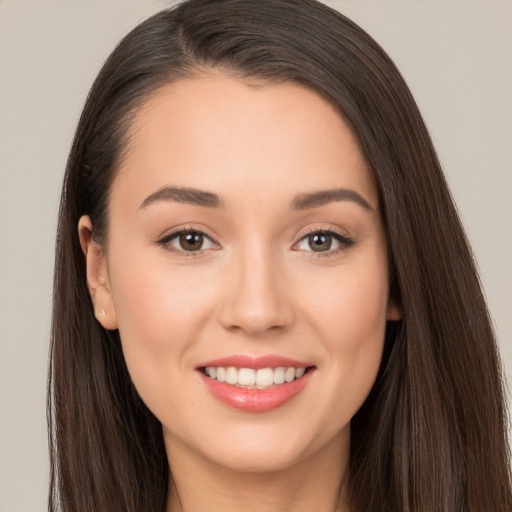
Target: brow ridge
(184, 195)
(210, 200)
(322, 197)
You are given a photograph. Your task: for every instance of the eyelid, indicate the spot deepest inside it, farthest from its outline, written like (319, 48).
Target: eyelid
(165, 240)
(344, 240)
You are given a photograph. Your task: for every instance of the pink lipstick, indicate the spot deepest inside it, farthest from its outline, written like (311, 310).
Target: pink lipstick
(255, 384)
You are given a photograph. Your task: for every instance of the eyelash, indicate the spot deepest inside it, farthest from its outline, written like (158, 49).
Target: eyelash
(167, 239)
(344, 241)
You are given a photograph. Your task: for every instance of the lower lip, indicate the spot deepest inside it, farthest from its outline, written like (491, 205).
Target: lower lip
(256, 400)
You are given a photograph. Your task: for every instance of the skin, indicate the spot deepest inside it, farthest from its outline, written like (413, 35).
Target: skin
(256, 288)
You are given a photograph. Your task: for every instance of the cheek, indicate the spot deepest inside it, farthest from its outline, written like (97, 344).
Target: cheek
(362, 308)
(350, 320)
(156, 298)
(349, 305)
(160, 311)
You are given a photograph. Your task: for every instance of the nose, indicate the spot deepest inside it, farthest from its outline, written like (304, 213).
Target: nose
(257, 299)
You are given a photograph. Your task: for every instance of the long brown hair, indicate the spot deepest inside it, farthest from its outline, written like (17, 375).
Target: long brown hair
(432, 434)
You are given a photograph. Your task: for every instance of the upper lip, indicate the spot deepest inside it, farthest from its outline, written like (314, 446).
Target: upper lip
(255, 362)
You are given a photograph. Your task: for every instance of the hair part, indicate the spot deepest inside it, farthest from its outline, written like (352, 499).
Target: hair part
(432, 433)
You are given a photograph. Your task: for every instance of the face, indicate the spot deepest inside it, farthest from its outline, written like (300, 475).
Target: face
(245, 251)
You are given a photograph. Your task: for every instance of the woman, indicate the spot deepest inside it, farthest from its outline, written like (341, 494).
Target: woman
(269, 303)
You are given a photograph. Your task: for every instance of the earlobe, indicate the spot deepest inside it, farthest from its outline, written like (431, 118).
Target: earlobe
(97, 276)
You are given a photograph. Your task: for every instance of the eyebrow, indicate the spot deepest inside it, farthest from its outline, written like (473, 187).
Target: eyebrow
(322, 197)
(210, 200)
(184, 195)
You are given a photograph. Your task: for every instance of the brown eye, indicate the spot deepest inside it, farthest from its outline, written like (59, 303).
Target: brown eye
(191, 241)
(188, 241)
(320, 242)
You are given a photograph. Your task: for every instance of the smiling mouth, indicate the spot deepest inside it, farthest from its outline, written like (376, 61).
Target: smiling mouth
(249, 378)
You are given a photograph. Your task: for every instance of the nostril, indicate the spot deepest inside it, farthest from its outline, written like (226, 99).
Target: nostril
(256, 304)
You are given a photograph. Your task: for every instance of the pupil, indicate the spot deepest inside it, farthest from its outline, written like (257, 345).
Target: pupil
(191, 241)
(320, 242)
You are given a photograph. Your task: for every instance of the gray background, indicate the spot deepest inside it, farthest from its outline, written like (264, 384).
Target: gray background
(455, 55)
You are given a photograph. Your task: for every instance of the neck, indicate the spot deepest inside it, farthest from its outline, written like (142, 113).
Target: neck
(313, 483)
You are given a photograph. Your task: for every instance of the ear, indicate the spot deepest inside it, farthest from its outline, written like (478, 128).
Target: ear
(395, 311)
(97, 276)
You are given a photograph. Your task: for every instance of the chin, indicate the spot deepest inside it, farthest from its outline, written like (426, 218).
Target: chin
(248, 461)
(261, 450)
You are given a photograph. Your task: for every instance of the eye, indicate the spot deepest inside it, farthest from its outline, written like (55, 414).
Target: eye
(188, 240)
(323, 241)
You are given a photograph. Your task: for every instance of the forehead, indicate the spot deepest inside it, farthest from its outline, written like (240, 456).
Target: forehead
(230, 136)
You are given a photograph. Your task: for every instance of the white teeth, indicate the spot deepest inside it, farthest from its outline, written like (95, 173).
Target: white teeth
(279, 375)
(264, 377)
(232, 375)
(250, 378)
(221, 374)
(289, 374)
(246, 377)
(211, 371)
